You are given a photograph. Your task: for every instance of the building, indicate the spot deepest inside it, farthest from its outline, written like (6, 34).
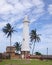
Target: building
(11, 51)
(25, 42)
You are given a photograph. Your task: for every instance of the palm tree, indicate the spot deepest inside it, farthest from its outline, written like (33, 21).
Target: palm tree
(8, 30)
(17, 46)
(34, 38)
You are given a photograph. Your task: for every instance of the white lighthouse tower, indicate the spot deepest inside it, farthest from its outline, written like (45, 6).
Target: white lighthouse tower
(25, 42)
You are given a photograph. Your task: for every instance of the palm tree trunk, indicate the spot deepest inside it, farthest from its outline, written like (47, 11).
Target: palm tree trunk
(33, 47)
(10, 40)
(10, 46)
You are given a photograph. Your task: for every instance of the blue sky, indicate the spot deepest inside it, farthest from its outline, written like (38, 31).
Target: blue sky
(40, 17)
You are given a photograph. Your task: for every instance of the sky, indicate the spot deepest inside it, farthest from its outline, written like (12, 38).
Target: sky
(39, 13)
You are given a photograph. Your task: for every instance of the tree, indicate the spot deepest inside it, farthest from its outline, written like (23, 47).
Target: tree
(34, 38)
(38, 53)
(17, 46)
(8, 30)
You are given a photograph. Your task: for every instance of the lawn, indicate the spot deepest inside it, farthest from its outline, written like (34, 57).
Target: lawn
(26, 62)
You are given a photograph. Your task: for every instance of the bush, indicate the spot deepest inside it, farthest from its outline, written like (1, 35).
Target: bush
(0, 57)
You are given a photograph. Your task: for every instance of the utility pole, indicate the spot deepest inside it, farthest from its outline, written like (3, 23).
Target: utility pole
(47, 53)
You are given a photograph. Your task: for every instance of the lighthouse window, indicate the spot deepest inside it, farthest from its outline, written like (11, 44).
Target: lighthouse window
(23, 39)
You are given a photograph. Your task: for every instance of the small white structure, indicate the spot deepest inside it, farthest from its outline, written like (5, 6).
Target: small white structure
(25, 42)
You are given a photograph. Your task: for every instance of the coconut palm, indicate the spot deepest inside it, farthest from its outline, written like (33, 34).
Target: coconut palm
(17, 46)
(34, 38)
(8, 30)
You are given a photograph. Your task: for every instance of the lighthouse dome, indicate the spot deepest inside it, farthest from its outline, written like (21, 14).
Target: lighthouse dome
(26, 18)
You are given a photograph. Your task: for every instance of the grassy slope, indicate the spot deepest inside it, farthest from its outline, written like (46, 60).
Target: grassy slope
(26, 62)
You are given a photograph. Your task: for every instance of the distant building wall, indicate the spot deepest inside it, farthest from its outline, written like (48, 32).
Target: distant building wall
(11, 51)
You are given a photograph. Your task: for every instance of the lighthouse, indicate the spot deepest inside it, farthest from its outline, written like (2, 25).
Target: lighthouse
(25, 42)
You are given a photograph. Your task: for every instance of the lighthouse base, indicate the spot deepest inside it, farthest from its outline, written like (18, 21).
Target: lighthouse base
(25, 54)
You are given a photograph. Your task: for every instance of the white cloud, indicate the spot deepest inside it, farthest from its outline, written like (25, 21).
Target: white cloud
(2, 2)
(4, 7)
(50, 9)
(46, 34)
(38, 3)
(19, 8)
(20, 26)
(2, 25)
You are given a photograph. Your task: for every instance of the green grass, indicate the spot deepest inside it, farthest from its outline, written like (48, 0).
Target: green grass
(26, 62)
